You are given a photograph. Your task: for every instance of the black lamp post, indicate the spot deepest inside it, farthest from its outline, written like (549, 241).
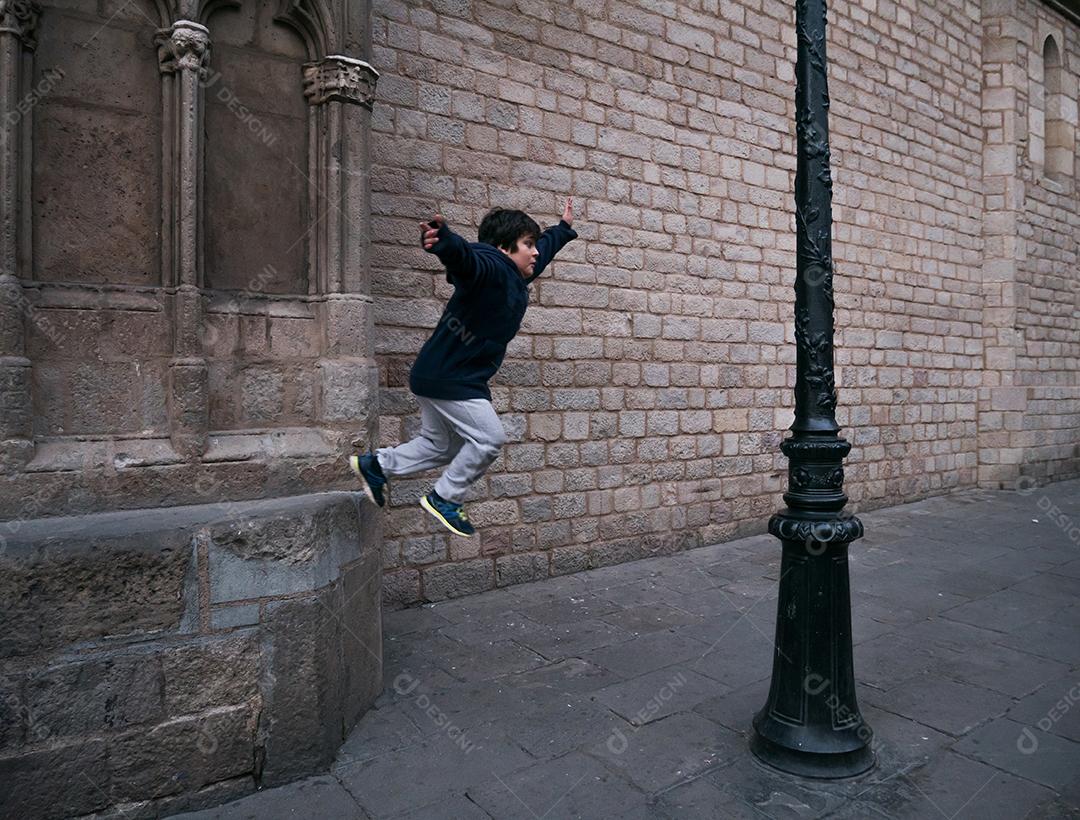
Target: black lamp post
(810, 724)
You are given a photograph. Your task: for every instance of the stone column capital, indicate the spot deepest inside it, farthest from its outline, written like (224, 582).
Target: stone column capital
(184, 46)
(19, 17)
(340, 78)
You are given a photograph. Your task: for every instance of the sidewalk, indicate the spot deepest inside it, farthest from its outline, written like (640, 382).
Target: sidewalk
(627, 692)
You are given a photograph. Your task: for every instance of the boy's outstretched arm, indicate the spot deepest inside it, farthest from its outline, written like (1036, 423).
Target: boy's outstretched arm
(462, 266)
(552, 240)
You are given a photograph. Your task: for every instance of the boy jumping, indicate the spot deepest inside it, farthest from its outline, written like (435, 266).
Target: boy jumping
(458, 425)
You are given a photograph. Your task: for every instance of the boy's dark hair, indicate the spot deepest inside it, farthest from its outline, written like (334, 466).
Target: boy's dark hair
(503, 228)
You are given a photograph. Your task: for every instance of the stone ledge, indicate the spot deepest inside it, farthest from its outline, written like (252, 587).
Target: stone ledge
(118, 662)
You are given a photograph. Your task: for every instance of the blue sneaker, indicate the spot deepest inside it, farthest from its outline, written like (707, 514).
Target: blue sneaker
(367, 468)
(450, 515)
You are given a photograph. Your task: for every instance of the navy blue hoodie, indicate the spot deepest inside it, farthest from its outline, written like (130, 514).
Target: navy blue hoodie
(483, 315)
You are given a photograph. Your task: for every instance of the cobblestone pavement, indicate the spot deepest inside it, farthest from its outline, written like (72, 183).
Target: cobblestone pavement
(627, 692)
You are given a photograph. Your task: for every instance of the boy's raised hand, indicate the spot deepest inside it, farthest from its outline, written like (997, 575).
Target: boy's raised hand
(429, 231)
(568, 211)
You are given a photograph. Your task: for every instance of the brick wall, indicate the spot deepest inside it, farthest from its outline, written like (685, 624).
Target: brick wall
(650, 386)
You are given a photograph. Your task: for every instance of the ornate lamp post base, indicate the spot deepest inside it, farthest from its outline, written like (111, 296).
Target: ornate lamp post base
(811, 725)
(831, 766)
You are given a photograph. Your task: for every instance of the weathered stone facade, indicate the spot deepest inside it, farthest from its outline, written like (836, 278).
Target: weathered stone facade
(647, 394)
(158, 660)
(185, 355)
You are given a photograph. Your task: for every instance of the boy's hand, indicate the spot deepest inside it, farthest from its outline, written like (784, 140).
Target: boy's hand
(568, 211)
(429, 231)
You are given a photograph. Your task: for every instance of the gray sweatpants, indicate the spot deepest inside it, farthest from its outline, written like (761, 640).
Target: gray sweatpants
(466, 435)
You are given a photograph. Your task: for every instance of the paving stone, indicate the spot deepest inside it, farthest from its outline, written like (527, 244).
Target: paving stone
(896, 613)
(1055, 708)
(561, 587)
(572, 676)
(573, 786)
(496, 658)
(1051, 585)
(1005, 611)
(955, 787)
(553, 726)
(1014, 747)
(644, 653)
(379, 731)
(651, 617)
(571, 609)
(1002, 669)
(422, 774)
(1053, 637)
(506, 625)
(955, 636)
(453, 805)
(735, 710)
(668, 751)
(657, 694)
(741, 654)
(942, 704)
(471, 607)
(565, 640)
(688, 579)
(775, 795)
(1071, 569)
(701, 800)
(636, 593)
(408, 621)
(292, 801)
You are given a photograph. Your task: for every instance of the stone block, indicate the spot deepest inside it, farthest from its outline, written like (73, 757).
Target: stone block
(183, 754)
(565, 560)
(520, 568)
(455, 580)
(15, 409)
(261, 398)
(401, 588)
(361, 637)
(349, 390)
(210, 672)
(297, 544)
(76, 578)
(97, 219)
(301, 685)
(350, 326)
(85, 697)
(59, 780)
(230, 617)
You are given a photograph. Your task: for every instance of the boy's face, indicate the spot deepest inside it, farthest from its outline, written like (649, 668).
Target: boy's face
(523, 255)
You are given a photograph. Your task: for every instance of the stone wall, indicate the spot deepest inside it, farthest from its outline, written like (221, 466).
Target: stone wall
(165, 660)
(1030, 404)
(651, 384)
(185, 355)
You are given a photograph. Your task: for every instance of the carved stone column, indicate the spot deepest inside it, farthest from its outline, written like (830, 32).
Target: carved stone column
(18, 19)
(340, 91)
(184, 51)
